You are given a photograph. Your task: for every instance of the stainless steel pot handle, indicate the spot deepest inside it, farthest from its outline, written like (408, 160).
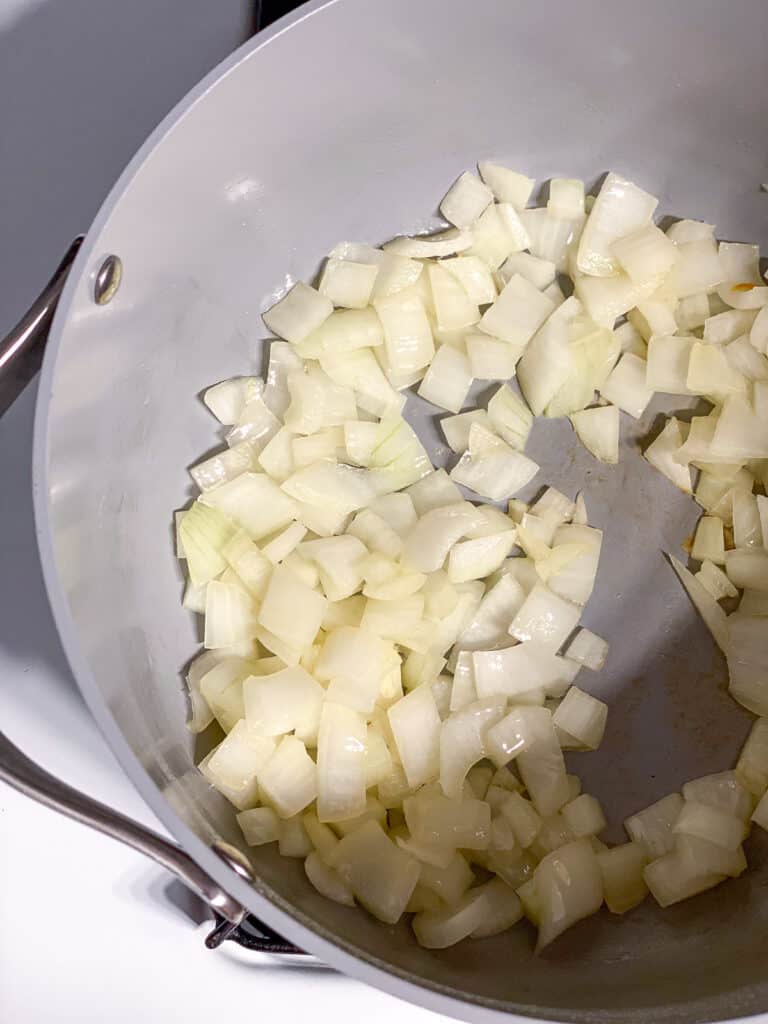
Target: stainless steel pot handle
(20, 356)
(18, 771)
(21, 350)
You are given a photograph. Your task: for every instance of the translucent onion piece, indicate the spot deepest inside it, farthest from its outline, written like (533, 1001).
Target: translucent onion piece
(622, 872)
(626, 386)
(652, 827)
(346, 283)
(341, 765)
(260, 825)
(298, 313)
(518, 312)
(748, 662)
(545, 617)
(283, 702)
(429, 541)
(228, 399)
(588, 649)
(204, 533)
(288, 780)
(291, 610)
(252, 501)
(667, 364)
(569, 887)
(510, 417)
(619, 209)
(465, 200)
(598, 431)
(713, 615)
(416, 727)
(462, 742)
(444, 243)
(507, 186)
(381, 876)
(752, 766)
(670, 880)
(447, 380)
(496, 475)
(723, 791)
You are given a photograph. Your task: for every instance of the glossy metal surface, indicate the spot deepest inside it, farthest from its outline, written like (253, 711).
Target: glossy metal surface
(350, 124)
(21, 350)
(107, 280)
(17, 770)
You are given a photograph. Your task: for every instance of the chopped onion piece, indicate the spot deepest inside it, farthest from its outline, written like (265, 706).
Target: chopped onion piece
(416, 728)
(584, 816)
(723, 791)
(667, 364)
(462, 742)
(748, 568)
(752, 766)
(646, 254)
(444, 243)
(254, 502)
(748, 662)
(298, 313)
(652, 827)
(447, 380)
(437, 820)
(259, 825)
(699, 856)
(438, 929)
(490, 358)
(698, 268)
(551, 236)
(626, 386)
(456, 428)
(228, 399)
(288, 780)
(518, 312)
(588, 649)
(619, 209)
(495, 475)
(545, 617)
(569, 887)
(598, 431)
(476, 559)
(348, 284)
(407, 335)
(507, 186)
(497, 233)
(670, 880)
(566, 197)
(541, 273)
(510, 417)
(465, 200)
(431, 538)
(683, 231)
(283, 702)
(341, 768)
(291, 610)
(713, 615)
(582, 718)
(381, 876)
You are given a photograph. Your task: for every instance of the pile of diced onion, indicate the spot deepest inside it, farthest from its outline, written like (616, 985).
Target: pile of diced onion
(392, 661)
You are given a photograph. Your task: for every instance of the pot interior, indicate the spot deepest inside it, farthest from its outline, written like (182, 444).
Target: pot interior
(350, 126)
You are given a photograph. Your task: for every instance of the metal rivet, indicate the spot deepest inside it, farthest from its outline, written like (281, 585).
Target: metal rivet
(234, 858)
(108, 278)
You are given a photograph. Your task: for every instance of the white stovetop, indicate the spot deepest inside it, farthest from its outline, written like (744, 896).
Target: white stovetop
(91, 931)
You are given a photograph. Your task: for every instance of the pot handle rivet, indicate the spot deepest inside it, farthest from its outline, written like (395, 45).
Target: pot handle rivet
(108, 278)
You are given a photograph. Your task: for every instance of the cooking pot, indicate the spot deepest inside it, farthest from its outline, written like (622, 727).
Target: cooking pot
(349, 119)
